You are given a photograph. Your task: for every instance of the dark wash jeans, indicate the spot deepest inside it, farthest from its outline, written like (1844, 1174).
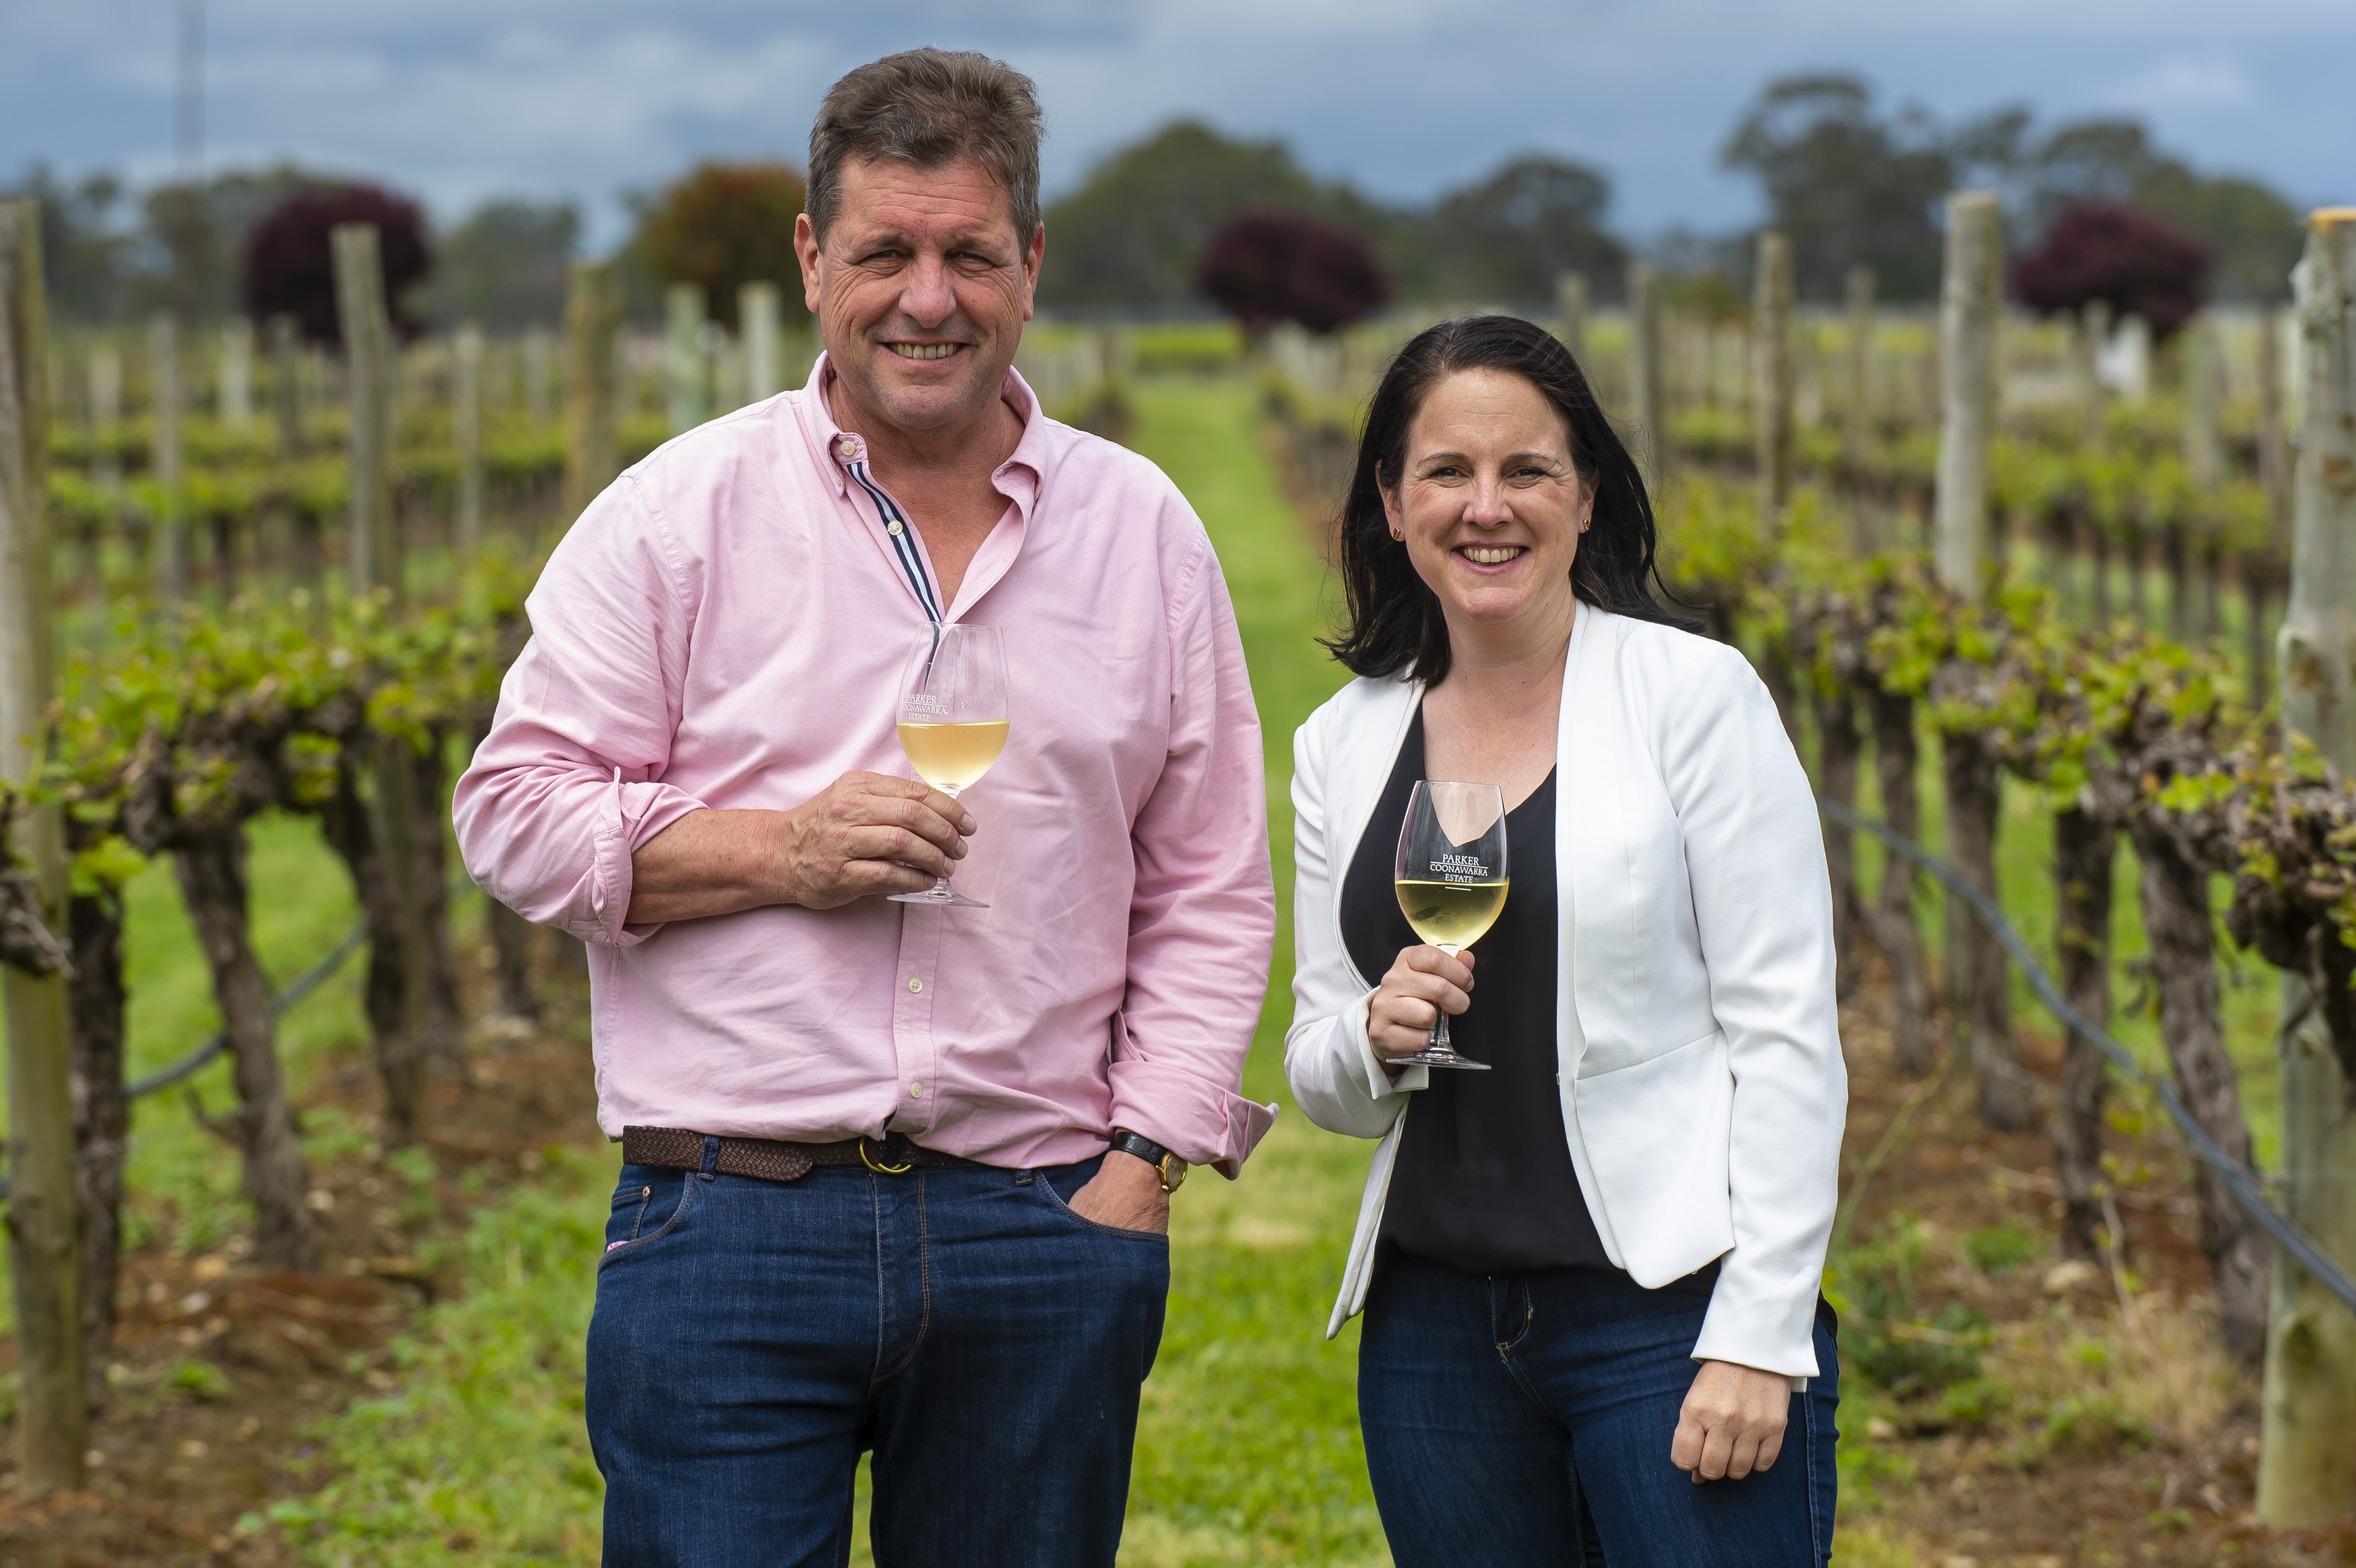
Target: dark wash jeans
(1525, 1419)
(752, 1338)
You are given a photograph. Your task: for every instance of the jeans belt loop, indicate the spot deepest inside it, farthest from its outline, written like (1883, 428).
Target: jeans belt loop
(711, 1156)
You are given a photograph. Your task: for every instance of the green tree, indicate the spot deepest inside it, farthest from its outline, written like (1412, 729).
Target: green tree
(505, 265)
(1506, 238)
(84, 245)
(724, 225)
(1847, 184)
(1132, 233)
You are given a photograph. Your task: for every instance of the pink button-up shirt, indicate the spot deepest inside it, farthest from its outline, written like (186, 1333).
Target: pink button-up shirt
(725, 626)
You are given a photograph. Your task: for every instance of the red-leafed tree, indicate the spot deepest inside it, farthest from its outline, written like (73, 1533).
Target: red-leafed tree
(2141, 265)
(721, 226)
(290, 264)
(1266, 267)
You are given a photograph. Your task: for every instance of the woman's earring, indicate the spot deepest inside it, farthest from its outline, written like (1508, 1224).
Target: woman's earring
(1398, 537)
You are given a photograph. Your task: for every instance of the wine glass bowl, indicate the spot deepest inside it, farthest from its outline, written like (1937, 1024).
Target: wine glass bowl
(952, 720)
(1451, 877)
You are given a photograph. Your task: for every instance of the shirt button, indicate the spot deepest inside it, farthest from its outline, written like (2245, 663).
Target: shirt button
(848, 447)
(916, 1090)
(915, 984)
(892, 528)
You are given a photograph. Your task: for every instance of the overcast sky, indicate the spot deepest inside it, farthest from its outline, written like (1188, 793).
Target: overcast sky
(457, 99)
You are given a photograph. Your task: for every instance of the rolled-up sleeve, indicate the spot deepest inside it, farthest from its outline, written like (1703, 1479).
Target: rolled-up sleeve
(568, 783)
(1202, 915)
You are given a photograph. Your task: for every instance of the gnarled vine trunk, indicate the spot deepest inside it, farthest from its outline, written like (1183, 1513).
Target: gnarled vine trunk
(2083, 847)
(101, 1115)
(212, 880)
(510, 936)
(2178, 922)
(1839, 746)
(1893, 913)
(1978, 999)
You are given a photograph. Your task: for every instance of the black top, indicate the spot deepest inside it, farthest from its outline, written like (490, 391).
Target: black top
(1484, 1180)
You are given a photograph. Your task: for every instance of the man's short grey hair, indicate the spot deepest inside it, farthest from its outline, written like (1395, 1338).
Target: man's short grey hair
(929, 108)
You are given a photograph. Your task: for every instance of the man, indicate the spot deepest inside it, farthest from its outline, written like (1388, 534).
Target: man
(896, 1176)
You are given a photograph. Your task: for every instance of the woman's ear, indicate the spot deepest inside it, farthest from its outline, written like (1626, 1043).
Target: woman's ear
(1393, 517)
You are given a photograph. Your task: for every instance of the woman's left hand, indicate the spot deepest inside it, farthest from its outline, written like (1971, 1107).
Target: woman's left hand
(1732, 1423)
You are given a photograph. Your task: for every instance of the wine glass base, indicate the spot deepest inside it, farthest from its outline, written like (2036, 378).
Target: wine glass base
(946, 897)
(1438, 1058)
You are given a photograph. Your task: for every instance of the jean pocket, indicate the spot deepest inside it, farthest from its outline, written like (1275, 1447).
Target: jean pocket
(1054, 1200)
(639, 1201)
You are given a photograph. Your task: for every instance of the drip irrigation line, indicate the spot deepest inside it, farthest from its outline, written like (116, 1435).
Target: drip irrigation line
(309, 981)
(2245, 1184)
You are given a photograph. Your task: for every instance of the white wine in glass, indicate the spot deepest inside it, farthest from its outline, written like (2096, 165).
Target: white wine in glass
(953, 721)
(1452, 876)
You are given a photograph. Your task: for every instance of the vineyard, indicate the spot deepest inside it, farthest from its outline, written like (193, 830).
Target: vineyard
(302, 1265)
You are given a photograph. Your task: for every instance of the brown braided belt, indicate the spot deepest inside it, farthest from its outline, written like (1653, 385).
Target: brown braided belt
(677, 1148)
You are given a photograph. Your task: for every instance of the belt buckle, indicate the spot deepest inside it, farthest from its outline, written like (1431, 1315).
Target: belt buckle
(883, 1170)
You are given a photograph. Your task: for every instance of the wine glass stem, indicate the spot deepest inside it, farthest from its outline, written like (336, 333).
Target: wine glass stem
(941, 888)
(1440, 1025)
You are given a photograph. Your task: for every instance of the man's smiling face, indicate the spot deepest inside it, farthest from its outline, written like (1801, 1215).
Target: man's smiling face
(921, 288)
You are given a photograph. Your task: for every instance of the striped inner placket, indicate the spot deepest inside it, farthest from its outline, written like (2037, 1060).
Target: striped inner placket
(902, 535)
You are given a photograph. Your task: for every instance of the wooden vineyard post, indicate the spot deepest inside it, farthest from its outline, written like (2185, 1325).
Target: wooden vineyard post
(1857, 434)
(165, 408)
(467, 428)
(368, 375)
(2261, 568)
(592, 313)
(285, 403)
(1571, 305)
(1771, 315)
(1646, 400)
(757, 319)
(1968, 313)
(237, 374)
(538, 357)
(2204, 462)
(45, 1227)
(395, 824)
(2305, 1476)
(686, 366)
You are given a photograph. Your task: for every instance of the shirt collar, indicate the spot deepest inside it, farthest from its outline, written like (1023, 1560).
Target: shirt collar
(1019, 475)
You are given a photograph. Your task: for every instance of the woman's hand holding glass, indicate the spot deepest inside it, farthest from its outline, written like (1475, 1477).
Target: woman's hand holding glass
(1421, 984)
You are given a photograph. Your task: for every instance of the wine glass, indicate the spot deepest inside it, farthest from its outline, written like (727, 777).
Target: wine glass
(1451, 882)
(953, 721)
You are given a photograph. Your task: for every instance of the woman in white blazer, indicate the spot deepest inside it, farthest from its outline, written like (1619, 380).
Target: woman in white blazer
(1591, 1274)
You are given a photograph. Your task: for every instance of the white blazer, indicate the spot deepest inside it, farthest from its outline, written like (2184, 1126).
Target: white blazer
(1698, 1043)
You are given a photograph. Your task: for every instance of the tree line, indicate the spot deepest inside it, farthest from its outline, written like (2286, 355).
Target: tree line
(1850, 180)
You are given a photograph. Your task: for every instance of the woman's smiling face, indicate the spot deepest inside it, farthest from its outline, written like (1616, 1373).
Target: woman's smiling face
(1488, 500)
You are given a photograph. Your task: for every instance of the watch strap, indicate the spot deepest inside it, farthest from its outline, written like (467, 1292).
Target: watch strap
(1172, 1169)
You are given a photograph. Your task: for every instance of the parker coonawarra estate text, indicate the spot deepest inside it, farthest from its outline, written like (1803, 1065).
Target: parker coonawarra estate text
(1456, 908)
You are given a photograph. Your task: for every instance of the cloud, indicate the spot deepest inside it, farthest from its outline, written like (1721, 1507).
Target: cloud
(2183, 81)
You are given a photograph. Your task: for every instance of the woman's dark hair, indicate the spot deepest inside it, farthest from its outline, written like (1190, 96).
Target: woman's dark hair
(1394, 620)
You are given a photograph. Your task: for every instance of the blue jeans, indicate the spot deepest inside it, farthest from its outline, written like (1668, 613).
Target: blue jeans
(753, 1338)
(1526, 1418)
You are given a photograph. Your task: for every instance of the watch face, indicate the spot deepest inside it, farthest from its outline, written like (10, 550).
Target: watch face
(1174, 1172)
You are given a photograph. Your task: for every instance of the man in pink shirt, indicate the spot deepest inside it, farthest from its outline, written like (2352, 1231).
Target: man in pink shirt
(896, 1176)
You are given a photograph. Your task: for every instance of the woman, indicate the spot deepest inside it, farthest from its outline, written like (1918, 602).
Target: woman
(1591, 1274)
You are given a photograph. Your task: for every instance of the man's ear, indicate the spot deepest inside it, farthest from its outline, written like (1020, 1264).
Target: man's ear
(1032, 257)
(806, 251)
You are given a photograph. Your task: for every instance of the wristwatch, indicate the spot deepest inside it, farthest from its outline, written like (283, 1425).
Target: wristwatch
(1172, 1169)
